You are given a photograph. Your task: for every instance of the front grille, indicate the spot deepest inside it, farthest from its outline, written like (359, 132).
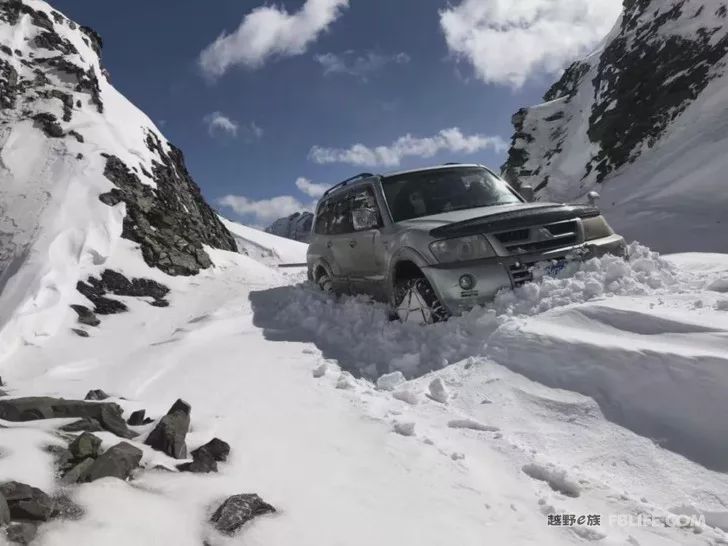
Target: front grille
(521, 273)
(539, 238)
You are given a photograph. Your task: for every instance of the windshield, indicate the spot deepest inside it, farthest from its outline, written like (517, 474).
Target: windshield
(425, 193)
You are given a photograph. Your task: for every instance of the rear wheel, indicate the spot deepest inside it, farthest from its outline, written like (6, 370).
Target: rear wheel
(415, 301)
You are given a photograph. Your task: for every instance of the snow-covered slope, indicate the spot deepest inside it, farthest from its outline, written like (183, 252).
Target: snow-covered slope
(266, 247)
(643, 121)
(82, 173)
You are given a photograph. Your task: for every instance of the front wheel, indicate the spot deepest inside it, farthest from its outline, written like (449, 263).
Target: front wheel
(325, 283)
(415, 301)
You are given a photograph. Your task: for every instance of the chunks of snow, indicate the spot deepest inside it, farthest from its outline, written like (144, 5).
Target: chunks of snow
(407, 396)
(719, 285)
(346, 381)
(320, 370)
(405, 428)
(438, 391)
(389, 381)
(471, 424)
(555, 478)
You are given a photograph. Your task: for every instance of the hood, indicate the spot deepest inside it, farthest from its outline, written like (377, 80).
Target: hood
(498, 218)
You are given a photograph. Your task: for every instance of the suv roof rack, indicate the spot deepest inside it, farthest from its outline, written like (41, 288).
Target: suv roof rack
(345, 182)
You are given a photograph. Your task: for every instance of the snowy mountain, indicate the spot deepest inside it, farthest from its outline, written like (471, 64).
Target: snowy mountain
(643, 121)
(235, 404)
(297, 226)
(82, 173)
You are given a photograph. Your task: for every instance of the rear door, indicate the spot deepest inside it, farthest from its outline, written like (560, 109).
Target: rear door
(326, 244)
(365, 264)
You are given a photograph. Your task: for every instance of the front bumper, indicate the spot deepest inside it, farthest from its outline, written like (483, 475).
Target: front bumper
(494, 274)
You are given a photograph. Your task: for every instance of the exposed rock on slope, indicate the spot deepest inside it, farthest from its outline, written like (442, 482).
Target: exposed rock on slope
(297, 226)
(80, 168)
(642, 118)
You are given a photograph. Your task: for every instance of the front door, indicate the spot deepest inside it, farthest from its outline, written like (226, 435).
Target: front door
(365, 257)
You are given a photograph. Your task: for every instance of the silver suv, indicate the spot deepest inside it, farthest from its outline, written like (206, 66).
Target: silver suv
(434, 242)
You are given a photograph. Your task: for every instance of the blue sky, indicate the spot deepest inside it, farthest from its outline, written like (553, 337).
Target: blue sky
(291, 87)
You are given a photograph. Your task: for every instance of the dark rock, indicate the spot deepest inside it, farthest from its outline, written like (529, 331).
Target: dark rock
(216, 447)
(85, 445)
(4, 511)
(2, 383)
(96, 394)
(75, 134)
(172, 222)
(5, 49)
(9, 87)
(202, 463)
(237, 510)
(96, 42)
(169, 434)
(27, 502)
(79, 332)
(78, 473)
(51, 40)
(21, 532)
(48, 124)
(108, 414)
(136, 418)
(3, 393)
(62, 457)
(118, 461)
(85, 315)
(85, 424)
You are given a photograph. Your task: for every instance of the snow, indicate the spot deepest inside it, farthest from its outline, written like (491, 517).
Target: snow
(599, 391)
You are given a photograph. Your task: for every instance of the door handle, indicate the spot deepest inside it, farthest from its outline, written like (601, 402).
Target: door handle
(352, 243)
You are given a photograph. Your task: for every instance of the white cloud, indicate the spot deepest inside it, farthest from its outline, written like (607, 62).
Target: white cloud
(268, 32)
(447, 140)
(359, 66)
(506, 41)
(264, 211)
(311, 189)
(219, 123)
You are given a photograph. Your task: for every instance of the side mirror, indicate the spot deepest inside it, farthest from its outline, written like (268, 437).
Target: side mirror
(364, 219)
(593, 198)
(527, 193)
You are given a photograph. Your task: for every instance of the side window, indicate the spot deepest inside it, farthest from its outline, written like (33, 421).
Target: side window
(365, 199)
(341, 217)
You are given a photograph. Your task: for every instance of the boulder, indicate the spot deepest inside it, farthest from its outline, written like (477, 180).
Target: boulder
(26, 502)
(169, 434)
(107, 414)
(96, 394)
(202, 463)
(216, 447)
(22, 532)
(85, 424)
(78, 473)
(118, 461)
(85, 315)
(237, 510)
(85, 445)
(137, 418)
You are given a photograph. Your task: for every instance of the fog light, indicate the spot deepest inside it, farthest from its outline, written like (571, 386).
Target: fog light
(467, 282)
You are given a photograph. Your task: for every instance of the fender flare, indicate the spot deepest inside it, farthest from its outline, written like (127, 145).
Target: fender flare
(406, 254)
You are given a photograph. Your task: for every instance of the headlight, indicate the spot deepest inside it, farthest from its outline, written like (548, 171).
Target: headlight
(596, 228)
(462, 249)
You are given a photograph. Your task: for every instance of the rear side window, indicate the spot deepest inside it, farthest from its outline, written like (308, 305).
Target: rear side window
(334, 216)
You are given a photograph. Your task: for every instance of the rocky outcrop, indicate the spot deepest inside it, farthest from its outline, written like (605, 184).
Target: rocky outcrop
(297, 226)
(237, 510)
(171, 222)
(608, 109)
(169, 434)
(107, 414)
(26, 502)
(118, 461)
(206, 457)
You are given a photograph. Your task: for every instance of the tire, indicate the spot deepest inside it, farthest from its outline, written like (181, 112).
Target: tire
(415, 301)
(325, 283)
